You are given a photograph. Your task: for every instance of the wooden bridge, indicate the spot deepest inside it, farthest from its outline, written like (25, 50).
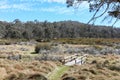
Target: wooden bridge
(75, 59)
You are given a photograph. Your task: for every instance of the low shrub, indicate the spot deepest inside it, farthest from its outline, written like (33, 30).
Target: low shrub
(114, 67)
(42, 46)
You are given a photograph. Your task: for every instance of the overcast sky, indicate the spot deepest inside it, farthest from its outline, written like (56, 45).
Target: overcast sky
(50, 10)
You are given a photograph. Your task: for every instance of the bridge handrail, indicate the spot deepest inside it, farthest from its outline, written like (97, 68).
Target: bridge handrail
(73, 57)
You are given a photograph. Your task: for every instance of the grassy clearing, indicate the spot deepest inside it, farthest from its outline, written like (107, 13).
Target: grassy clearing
(58, 72)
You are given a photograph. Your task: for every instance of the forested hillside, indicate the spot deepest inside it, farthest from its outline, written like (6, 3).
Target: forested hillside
(48, 30)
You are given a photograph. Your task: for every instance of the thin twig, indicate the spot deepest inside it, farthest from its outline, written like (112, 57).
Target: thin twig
(101, 4)
(103, 12)
(115, 22)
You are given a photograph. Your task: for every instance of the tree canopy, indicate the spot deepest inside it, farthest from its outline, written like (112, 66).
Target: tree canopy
(112, 7)
(47, 30)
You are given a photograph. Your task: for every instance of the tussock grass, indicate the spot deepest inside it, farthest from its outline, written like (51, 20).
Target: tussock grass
(102, 67)
(25, 70)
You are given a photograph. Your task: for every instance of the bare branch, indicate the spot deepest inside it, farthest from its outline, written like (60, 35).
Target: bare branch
(95, 5)
(99, 15)
(115, 22)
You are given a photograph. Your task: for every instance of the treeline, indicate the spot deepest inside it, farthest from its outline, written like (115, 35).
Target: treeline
(47, 30)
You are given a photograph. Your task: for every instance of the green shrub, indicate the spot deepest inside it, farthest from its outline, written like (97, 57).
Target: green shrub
(114, 67)
(42, 46)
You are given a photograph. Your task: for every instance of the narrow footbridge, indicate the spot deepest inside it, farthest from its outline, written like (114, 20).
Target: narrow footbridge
(75, 59)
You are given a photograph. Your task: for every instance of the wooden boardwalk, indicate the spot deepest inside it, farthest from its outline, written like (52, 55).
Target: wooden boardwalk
(74, 59)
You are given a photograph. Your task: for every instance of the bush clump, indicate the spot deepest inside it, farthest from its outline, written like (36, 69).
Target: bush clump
(42, 46)
(114, 67)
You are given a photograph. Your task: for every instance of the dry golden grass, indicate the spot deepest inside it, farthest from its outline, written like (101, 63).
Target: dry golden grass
(25, 70)
(102, 67)
(16, 49)
(3, 73)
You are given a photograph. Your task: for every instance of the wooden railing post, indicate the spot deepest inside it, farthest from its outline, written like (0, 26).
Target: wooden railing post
(75, 61)
(81, 60)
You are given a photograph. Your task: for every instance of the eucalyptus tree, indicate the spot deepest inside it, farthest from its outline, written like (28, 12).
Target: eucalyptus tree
(112, 7)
